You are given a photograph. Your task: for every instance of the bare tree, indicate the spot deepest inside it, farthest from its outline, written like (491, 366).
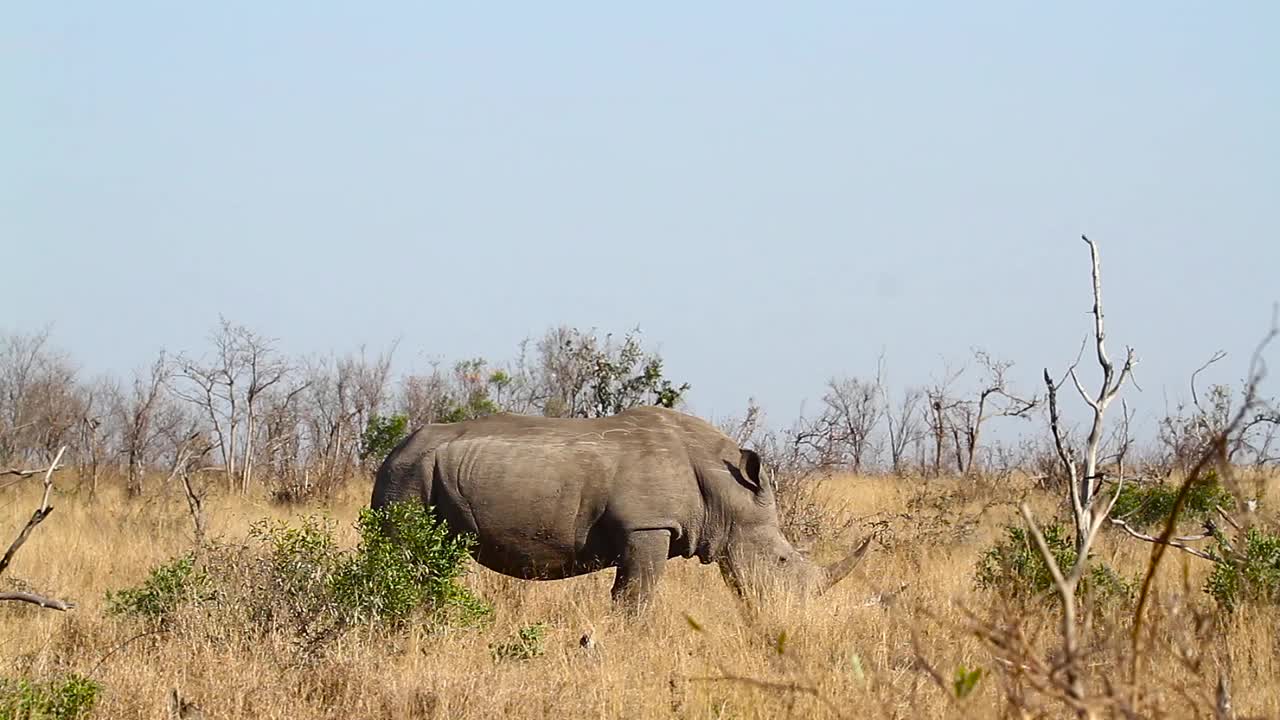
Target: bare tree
(95, 429)
(141, 414)
(938, 418)
(848, 422)
(995, 399)
(228, 390)
(1187, 431)
(264, 369)
(213, 387)
(903, 423)
(425, 398)
(1088, 509)
(902, 420)
(40, 405)
(190, 447)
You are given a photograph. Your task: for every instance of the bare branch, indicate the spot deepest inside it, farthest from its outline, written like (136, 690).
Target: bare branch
(1179, 543)
(37, 517)
(24, 474)
(1068, 462)
(1195, 395)
(1084, 394)
(35, 599)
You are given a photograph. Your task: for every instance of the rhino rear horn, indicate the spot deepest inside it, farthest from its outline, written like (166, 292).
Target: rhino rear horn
(837, 571)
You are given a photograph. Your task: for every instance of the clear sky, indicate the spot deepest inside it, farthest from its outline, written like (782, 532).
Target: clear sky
(774, 192)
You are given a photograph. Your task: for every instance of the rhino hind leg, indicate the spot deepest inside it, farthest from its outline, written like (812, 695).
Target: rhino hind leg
(639, 568)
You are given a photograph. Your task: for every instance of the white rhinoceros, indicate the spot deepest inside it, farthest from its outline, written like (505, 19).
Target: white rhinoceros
(550, 498)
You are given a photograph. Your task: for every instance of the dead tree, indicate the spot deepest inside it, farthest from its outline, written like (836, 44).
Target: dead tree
(189, 450)
(40, 403)
(138, 415)
(37, 517)
(212, 387)
(940, 406)
(995, 399)
(903, 423)
(228, 390)
(263, 370)
(1089, 509)
(852, 412)
(95, 430)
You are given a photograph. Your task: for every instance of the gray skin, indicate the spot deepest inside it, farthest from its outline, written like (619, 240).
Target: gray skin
(552, 498)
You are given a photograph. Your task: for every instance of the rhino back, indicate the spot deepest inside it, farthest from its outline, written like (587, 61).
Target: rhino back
(554, 497)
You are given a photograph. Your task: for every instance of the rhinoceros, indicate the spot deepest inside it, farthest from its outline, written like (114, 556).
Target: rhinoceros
(552, 498)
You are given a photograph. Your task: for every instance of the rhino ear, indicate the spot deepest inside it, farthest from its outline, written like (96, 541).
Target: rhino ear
(749, 466)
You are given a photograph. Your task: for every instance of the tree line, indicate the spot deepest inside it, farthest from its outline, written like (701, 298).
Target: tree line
(246, 412)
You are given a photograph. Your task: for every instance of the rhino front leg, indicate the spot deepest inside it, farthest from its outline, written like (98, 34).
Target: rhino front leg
(639, 569)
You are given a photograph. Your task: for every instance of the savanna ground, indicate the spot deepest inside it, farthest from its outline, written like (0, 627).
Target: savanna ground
(885, 643)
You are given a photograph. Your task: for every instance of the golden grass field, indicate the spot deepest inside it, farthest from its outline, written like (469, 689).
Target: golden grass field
(859, 652)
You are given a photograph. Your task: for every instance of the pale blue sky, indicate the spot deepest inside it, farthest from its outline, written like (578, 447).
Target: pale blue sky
(774, 192)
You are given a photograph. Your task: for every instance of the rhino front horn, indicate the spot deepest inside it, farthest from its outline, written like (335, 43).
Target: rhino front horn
(837, 571)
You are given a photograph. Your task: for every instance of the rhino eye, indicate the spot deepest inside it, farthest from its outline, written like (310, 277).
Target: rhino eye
(782, 559)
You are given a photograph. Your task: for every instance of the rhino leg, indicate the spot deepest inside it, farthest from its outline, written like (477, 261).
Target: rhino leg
(639, 569)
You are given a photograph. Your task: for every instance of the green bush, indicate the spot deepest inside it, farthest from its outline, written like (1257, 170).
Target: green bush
(381, 435)
(406, 560)
(295, 578)
(165, 589)
(63, 698)
(1015, 568)
(290, 571)
(526, 645)
(1144, 506)
(1251, 575)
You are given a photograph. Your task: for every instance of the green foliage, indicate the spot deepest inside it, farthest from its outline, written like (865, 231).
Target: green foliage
(296, 579)
(63, 698)
(1015, 567)
(595, 377)
(290, 570)
(406, 561)
(1250, 575)
(476, 390)
(526, 645)
(966, 681)
(1144, 506)
(165, 589)
(381, 435)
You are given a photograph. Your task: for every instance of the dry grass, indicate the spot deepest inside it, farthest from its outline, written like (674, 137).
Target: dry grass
(862, 651)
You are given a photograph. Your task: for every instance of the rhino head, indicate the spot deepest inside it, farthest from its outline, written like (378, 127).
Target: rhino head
(756, 556)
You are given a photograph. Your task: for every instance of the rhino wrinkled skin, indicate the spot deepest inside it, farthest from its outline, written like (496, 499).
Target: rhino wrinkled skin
(551, 498)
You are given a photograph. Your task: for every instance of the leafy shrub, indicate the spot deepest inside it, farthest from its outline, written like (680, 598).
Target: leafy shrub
(381, 435)
(1143, 506)
(1015, 568)
(64, 698)
(165, 589)
(527, 644)
(1251, 575)
(297, 580)
(406, 560)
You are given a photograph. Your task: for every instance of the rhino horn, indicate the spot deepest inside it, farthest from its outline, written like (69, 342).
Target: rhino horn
(837, 571)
